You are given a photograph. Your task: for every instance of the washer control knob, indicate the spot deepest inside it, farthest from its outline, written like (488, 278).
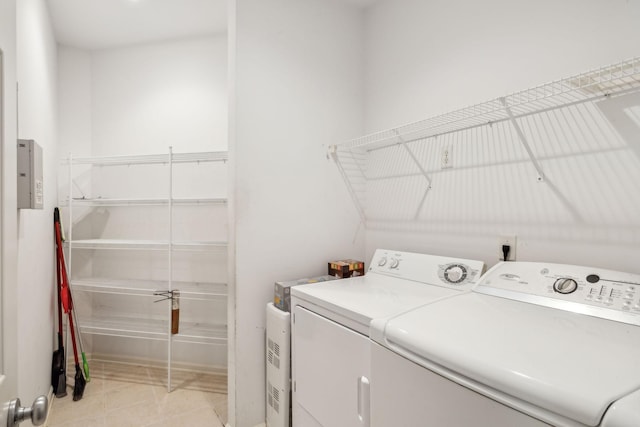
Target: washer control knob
(593, 278)
(382, 261)
(394, 263)
(565, 285)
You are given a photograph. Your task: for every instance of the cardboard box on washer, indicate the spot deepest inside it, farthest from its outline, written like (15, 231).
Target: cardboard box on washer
(282, 290)
(346, 268)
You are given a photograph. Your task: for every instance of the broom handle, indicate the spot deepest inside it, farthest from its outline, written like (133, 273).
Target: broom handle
(58, 290)
(56, 219)
(71, 328)
(85, 364)
(73, 338)
(61, 266)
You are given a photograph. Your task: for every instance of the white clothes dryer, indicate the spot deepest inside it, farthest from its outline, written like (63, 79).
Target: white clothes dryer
(330, 329)
(532, 344)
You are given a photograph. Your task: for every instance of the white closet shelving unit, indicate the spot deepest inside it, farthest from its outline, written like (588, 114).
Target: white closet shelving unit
(353, 157)
(141, 319)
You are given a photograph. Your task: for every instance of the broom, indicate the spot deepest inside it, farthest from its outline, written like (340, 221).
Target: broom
(67, 304)
(58, 362)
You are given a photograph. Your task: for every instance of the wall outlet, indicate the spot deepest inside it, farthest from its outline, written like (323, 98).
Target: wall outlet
(511, 241)
(446, 159)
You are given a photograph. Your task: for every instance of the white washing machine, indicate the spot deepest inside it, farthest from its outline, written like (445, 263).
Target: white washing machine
(330, 329)
(533, 344)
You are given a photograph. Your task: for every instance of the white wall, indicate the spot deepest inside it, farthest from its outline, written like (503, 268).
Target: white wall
(142, 99)
(74, 106)
(146, 98)
(426, 58)
(36, 70)
(297, 89)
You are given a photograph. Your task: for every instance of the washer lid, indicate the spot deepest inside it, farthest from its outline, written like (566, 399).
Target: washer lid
(569, 364)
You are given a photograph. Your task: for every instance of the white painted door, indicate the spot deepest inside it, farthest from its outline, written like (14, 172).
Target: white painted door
(404, 394)
(35, 411)
(8, 344)
(330, 373)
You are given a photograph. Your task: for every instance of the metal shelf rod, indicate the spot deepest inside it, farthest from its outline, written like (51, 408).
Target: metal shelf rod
(196, 157)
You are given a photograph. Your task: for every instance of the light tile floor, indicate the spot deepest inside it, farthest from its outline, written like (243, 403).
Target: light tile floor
(136, 396)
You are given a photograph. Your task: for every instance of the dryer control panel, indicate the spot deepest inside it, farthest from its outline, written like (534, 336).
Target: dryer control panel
(435, 270)
(596, 292)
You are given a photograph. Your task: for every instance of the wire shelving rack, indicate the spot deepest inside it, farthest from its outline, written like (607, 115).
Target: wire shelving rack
(598, 84)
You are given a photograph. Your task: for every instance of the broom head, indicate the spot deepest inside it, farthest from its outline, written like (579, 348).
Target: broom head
(80, 382)
(58, 374)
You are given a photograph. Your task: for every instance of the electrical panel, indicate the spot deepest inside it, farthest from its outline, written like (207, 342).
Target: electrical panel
(30, 190)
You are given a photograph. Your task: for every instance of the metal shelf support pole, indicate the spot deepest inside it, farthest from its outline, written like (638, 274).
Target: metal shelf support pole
(523, 139)
(70, 198)
(170, 278)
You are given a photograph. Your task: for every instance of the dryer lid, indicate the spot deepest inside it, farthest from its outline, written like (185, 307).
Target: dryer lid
(396, 282)
(569, 364)
(362, 299)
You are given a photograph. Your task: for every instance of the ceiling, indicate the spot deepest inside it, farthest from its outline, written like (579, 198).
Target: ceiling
(100, 24)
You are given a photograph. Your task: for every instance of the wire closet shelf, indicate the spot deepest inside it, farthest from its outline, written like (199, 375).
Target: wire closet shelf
(106, 320)
(606, 82)
(612, 80)
(200, 157)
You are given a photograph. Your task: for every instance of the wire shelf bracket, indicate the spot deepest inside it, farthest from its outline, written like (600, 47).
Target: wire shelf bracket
(333, 153)
(422, 171)
(523, 139)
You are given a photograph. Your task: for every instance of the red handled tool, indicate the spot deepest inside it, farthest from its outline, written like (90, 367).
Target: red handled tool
(67, 305)
(58, 363)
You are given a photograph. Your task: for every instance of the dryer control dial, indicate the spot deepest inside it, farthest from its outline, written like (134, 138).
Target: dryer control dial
(455, 273)
(382, 261)
(565, 285)
(394, 263)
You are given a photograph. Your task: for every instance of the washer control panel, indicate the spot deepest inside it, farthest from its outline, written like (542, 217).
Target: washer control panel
(607, 294)
(429, 269)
